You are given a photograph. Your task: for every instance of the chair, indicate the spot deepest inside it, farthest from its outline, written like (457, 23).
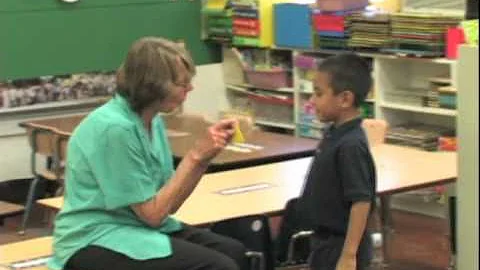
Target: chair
(8, 209)
(184, 122)
(59, 158)
(254, 233)
(292, 245)
(376, 130)
(42, 142)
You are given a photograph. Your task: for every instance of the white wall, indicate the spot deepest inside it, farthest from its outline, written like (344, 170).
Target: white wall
(15, 158)
(207, 98)
(467, 186)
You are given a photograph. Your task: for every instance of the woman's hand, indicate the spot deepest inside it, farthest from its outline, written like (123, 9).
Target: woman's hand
(217, 137)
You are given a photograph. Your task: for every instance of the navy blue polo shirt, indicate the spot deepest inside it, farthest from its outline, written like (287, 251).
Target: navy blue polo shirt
(342, 172)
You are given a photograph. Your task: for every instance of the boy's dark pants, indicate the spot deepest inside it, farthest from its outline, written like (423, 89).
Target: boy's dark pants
(327, 247)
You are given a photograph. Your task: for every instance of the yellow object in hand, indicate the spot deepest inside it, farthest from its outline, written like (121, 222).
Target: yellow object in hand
(237, 135)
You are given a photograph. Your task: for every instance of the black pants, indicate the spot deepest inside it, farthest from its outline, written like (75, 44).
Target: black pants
(327, 248)
(192, 248)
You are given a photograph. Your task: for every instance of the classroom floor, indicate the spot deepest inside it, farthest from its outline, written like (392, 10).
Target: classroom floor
(419, 243)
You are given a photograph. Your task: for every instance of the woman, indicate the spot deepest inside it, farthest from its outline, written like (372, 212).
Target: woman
(121, 187)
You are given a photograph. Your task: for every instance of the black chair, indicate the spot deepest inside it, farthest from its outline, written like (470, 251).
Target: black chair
(254, 233)
(292, 245)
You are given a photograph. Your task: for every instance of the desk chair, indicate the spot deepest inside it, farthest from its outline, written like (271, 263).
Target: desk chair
(42, 142)
(184, 122)
(59, 158)
(8, 209)
(376, 130)
(254, 233)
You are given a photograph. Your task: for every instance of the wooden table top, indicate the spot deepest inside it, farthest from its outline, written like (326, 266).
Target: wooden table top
(184, 132)
(28, 249)
(265, 189)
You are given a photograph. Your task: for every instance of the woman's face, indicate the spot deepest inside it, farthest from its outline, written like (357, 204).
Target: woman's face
(178, 90)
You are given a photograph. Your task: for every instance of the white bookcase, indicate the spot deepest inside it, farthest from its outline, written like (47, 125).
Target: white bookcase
(399, 84)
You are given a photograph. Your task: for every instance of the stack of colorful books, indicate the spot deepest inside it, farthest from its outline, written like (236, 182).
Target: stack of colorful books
(420, 34)
(369, 30)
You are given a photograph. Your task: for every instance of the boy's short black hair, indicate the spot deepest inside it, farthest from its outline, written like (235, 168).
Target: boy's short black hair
(348, 71)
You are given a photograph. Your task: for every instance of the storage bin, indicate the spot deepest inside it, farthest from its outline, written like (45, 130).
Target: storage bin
(293, 25)
(305, 62)
(341, 5)
(272, 109)
(268, 79)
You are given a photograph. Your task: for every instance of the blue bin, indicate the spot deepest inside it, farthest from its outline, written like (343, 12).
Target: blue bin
(293, 25)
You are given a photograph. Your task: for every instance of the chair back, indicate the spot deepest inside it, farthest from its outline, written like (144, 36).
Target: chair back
(253, 232)
(376, 130)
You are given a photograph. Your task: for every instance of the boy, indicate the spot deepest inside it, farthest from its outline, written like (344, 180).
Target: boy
(339, 192)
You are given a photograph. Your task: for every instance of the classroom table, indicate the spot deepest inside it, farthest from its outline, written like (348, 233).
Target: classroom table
(37, 248)
(184, 131)
(267, 188)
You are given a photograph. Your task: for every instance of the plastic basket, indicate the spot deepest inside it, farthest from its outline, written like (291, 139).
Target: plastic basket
(341, 5)
(272, 109)
(268, 79)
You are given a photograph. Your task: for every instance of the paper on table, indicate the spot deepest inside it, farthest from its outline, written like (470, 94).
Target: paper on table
(237, 149)
(30, 263)
(176, 133)
(248, 145)
(244, 189)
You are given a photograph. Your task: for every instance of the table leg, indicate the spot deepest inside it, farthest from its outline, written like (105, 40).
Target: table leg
(453, 239)
(386, 221)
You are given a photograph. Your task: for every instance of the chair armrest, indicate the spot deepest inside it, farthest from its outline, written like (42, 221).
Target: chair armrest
(291, 245)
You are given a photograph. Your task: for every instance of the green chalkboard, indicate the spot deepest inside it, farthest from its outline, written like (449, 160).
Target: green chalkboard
(49, 37)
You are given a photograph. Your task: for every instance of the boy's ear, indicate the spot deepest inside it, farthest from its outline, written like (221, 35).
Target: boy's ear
(347, 99)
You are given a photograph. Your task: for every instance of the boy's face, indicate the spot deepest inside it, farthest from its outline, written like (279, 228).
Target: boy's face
(328, 105)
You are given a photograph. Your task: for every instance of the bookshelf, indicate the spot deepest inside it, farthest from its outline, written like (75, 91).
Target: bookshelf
(401, 85)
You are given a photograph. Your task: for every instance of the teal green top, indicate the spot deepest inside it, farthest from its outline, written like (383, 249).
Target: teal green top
(111, 164)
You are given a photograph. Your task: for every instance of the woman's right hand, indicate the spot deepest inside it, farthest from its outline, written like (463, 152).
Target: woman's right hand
(217, 137)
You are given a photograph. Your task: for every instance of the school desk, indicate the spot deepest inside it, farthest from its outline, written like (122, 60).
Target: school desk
(267, 188)
(262, 147)
(37, 248)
